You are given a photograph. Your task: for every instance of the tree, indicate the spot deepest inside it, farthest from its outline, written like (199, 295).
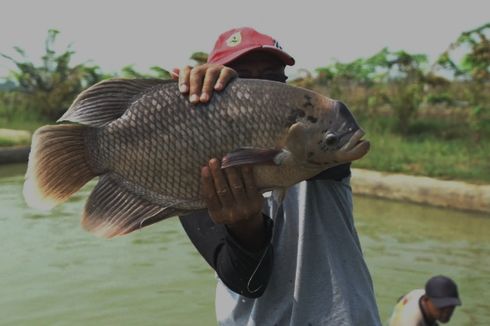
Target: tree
(476, 62)
(200, 57)
(51, 87)
(402, 80)
(474, 72)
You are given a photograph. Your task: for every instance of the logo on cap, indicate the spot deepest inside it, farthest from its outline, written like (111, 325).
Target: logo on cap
(277, 45)
(234, 39)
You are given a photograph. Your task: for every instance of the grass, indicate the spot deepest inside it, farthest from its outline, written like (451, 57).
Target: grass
(21, 120)
(435, 158)
(446, 152)
(10, 137)
(22, 123)
(5, 142)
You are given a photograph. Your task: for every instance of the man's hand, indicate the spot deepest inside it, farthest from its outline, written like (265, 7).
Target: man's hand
(201, 81)
(232, 199)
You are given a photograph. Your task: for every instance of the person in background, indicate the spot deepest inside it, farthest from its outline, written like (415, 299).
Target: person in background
(297, 263)
(426, 307)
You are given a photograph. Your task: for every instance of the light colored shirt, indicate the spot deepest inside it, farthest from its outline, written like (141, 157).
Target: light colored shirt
(319, 276)
(407, 311)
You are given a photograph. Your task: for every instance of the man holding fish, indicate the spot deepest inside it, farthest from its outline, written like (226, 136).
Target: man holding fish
(295, 263)
(293, 258)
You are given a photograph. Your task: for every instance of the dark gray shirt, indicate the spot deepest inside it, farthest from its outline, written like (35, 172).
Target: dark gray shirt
(318, 275)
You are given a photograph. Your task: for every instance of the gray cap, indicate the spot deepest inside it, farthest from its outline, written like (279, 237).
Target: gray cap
(442, 291)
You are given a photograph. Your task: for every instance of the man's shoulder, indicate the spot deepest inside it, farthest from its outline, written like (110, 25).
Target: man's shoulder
(410, 301)
(415, 294)
(407, 311)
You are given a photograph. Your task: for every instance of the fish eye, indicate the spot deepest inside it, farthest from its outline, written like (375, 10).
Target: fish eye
(331, 139)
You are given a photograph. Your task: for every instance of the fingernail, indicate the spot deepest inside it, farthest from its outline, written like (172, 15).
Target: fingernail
(194, 98)
(204, 97)
(218, 86)
(183, 88)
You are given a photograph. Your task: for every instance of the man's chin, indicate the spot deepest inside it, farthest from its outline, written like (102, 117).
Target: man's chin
(445, 319)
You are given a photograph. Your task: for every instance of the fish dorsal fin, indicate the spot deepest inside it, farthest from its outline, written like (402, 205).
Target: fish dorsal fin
(107, 100)
(113, 210)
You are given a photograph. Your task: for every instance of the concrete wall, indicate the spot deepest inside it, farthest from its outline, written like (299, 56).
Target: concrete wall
(9, 155)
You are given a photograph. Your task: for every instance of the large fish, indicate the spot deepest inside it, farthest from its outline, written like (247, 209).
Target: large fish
(147, 143)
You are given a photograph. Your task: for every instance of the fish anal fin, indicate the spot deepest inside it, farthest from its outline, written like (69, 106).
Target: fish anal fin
(245, 156)
(107, 100)
(113, 210)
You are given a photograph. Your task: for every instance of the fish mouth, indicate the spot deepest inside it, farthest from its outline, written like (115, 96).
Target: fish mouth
(353, 138)
(356, 147)
(355, 142)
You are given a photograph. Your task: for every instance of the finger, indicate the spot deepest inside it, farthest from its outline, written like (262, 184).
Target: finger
(175, 73)
(210, 78)
(184, 79)
(208, 192)
(196, 79)
(249, 181)
(236, 184)
(220, 184)
(225, 76)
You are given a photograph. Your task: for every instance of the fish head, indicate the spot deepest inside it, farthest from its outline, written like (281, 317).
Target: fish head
(330, 136)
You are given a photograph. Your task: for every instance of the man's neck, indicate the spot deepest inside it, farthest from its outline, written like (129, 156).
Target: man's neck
(429, 320)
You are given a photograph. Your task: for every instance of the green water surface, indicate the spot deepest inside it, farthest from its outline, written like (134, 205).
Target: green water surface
(54, 273)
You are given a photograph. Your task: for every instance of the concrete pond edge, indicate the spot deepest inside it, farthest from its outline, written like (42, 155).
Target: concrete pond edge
(422, 190)
(12, 155)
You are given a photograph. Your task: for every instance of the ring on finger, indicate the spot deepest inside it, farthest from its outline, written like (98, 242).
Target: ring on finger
(222, 192)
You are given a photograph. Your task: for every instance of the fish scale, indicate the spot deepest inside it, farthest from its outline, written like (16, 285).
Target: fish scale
(212, 135)
(147, 143)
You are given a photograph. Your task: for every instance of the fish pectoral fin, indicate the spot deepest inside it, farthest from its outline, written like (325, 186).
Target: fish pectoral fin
(244, 156)
(296, 140)
(113, 210)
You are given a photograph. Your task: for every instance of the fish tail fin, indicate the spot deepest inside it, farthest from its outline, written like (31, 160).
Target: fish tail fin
(58, 165)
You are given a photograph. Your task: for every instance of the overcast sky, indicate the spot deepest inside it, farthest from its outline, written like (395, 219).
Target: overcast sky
(165, 33)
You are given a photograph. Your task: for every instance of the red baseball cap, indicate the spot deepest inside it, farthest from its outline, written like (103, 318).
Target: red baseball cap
(236, 42)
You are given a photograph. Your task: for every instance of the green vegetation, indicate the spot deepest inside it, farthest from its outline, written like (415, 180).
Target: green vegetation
(51, 87)
(418, 121)
(9, 137)
(157, 72)
(36, 95)
(422, 118)
(439, 148)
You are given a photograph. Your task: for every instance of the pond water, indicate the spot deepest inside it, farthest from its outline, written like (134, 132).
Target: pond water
(54, 273)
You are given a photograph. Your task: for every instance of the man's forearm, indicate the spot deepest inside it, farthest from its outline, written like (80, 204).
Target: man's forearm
(243, 271)
(250, 233)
